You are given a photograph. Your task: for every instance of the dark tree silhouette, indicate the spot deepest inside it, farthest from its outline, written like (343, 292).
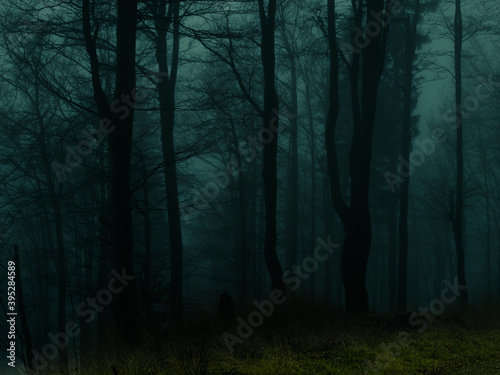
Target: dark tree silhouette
(271, 105)
(120, 125)
(355, 218)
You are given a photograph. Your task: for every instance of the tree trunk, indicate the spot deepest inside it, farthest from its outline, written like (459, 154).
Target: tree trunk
(486, 171)
(458, 225)
(356, 218)
(271, 105)
(103, 259)
(255, 268)
(58, 219)
(125, 308)
(166, 89)
(147, 294)
(294, 159)
(28, 343)
(410, 48)
(242, 221)
(393, 251)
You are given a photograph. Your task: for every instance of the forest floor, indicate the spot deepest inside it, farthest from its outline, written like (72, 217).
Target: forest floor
(486, 368)
(319, 342)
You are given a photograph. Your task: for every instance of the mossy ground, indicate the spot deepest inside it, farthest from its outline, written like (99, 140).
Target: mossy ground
(316, 343)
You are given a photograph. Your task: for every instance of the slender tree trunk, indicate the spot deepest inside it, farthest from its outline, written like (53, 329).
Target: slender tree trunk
(498, 233)
(28, 343)
(312, 241)
(103, 259)
(328, 223)
(410, 48)
(294, 159)
(58, 219)
(242, 221)
(270, 151)
(253, 231)
(486, 172)
(261, 225)
(147, 294)
(87, 270)
(166, 90)
(459, 225)
(393, 251)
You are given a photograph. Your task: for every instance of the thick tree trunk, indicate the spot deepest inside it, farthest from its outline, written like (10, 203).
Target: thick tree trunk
(125, 308)
(358, 236)
(356, 218)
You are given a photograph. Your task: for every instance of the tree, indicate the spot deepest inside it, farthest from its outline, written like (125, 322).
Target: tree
(291, 52)
(458, 220)
(269, 114)
(270, 120)
(411, 44)
(119, 129)
(481, 20)
(163, 21)
(356, 218)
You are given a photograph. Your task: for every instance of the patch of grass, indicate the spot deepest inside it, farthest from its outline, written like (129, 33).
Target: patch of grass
(327, 344)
